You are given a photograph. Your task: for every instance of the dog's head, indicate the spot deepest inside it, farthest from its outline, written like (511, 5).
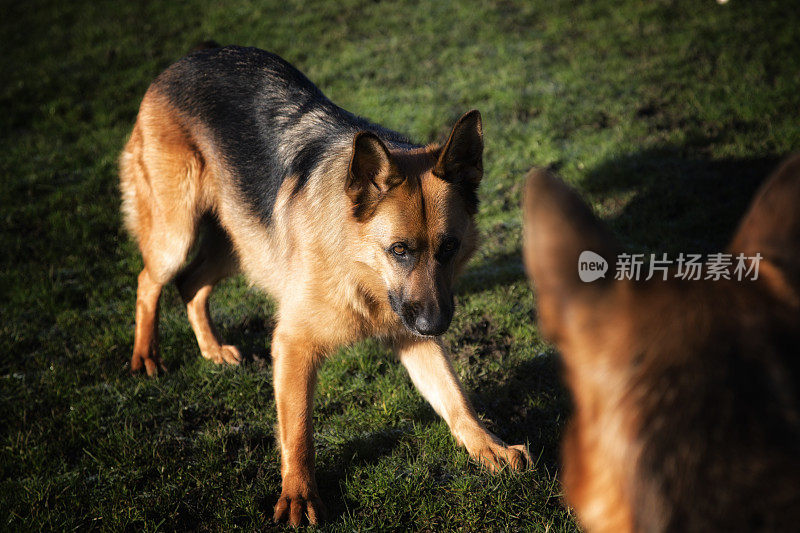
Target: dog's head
(414, 213)
(686, 393)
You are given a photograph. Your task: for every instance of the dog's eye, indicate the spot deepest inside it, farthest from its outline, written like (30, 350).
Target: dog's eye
(399, 249)
(448, 248)
(449, 245)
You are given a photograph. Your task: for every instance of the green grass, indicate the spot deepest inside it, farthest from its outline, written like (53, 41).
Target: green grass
(666, 115)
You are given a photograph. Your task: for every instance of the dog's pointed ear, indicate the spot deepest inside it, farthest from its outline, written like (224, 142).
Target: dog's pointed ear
(771, 226)
(461, 159)
(372, 173)
(561, 231)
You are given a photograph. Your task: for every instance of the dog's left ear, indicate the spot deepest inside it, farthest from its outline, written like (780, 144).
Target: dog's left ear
(559, 228)
(461, 160)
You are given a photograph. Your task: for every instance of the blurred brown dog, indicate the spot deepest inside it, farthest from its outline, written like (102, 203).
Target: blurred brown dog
(686, 393)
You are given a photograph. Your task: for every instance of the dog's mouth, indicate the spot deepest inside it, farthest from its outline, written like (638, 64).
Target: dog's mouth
(420, 321)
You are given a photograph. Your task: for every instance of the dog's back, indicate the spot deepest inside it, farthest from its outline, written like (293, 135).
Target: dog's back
(219, 135)
(687, 393)
(269, 121)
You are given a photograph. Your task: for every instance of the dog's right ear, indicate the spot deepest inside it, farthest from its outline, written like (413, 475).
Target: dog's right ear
(371, 174)
(559, 227)
(771, 228)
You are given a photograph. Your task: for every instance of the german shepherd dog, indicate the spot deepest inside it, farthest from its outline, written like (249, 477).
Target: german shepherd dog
(686, 393)
(353, 229)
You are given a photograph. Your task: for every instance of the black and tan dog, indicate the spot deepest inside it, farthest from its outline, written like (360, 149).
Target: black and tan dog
(686, 393)
(354, 230)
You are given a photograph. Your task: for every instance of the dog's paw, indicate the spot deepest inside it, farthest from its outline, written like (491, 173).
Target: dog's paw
(229, 355)
(293, 508)
(150, 363)
(498, 456)
(224, 355)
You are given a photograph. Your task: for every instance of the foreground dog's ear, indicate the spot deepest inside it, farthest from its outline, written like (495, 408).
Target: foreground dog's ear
(771, 227)
(559, 228)
(461, 160)
(371, 174)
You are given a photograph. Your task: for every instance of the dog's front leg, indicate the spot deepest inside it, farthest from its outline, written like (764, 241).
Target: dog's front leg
(430, 369)
(295, 361)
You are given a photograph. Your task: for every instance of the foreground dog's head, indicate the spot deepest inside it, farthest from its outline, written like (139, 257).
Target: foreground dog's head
(687, 411)
(414, 213)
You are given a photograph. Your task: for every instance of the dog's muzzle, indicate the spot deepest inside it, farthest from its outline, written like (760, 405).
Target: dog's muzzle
(428, 319)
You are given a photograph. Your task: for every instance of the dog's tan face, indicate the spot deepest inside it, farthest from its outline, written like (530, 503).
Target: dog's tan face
(660, 369)
(414, 211)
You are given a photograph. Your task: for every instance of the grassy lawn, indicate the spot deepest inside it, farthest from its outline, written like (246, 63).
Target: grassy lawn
(665, 114)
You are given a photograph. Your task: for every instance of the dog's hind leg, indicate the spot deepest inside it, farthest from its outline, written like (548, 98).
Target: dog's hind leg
(145, 345)
(215, 261)
(164, 246)
(164, 249)
(159, 175)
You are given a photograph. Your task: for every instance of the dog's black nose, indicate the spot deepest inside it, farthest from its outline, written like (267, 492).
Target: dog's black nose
(431, 318)
(433, 321)
(425, 327)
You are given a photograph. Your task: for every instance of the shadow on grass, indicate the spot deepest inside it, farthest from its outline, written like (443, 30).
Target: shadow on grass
(499, 270)
(529, 406)
(678, 203)
(253, 337)
(364, 449)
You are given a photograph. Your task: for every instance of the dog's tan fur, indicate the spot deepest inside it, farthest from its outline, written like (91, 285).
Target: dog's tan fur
(328, 272)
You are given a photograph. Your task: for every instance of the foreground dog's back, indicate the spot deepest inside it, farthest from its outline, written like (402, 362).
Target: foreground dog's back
(686, 393)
